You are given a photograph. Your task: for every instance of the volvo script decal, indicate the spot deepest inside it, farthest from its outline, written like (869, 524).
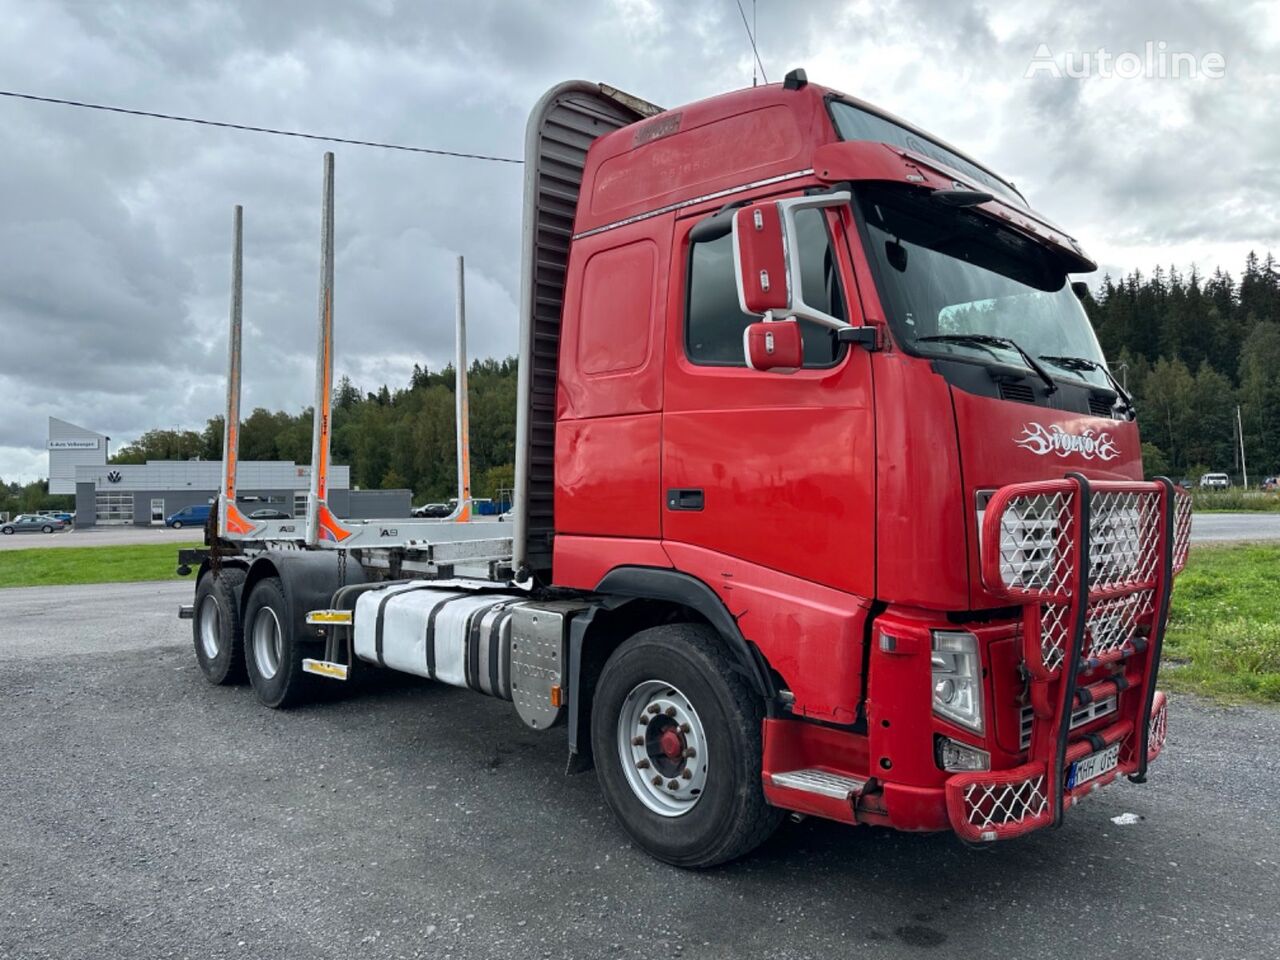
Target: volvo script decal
(1088, 443)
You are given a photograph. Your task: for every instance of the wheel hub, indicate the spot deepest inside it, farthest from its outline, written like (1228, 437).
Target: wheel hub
(662, 747)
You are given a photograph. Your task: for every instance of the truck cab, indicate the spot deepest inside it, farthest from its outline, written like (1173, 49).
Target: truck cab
(804, 345)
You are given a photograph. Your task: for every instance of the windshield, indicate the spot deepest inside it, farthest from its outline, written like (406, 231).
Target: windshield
(948, 272)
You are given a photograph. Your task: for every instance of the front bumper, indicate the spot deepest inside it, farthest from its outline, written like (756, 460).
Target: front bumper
(1092, 565)
(1003, 804)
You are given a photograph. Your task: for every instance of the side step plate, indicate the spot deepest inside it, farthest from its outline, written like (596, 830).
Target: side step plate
(329, 617)
(820, 782)
(326, 668)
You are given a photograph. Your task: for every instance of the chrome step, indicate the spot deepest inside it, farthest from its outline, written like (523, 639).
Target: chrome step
(824, 784)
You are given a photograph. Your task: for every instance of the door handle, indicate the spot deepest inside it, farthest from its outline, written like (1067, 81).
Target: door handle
(685, 498)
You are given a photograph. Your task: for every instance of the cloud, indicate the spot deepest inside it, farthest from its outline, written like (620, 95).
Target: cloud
(114, 247)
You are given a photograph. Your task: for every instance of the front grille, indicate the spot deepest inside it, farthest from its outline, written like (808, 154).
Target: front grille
(1086, 714)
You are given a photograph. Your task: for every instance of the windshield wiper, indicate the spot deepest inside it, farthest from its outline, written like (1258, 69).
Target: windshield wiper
(1084, 363)
(990, 340)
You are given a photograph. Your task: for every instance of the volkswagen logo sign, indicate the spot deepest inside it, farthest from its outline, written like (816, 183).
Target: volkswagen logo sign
(113, 476)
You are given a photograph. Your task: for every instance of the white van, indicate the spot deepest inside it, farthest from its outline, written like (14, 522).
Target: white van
(1215, 481)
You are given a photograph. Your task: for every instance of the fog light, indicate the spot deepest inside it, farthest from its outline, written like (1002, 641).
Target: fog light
(956, 757)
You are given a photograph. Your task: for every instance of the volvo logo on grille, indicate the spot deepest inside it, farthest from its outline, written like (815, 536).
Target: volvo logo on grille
(1088, 443)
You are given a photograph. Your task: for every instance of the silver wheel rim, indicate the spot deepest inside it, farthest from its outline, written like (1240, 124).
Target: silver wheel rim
(210, 624)
(267, 642)
(663, 748)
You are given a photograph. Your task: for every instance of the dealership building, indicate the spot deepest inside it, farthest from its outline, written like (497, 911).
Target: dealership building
(145, 493)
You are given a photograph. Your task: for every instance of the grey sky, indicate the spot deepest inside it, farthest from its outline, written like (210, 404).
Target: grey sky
(114, 243)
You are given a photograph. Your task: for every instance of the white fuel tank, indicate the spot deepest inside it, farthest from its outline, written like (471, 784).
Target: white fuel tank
(449, 633)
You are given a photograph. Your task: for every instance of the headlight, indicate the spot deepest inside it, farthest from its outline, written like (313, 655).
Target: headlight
(957, 679)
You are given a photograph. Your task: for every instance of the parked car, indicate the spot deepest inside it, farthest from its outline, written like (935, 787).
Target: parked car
(62, 515)
(269, 514)
(1271, 484)
(192, 516)
(1215, 481)
(32, 523)
(433, 510)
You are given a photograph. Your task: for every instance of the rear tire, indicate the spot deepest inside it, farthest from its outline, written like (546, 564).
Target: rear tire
(46, 529)
(216, 628)
(273, 654)
(702, 703)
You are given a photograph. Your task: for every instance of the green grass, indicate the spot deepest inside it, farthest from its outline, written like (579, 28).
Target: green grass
(1224, 625)
(47, 566)
(1235, 500)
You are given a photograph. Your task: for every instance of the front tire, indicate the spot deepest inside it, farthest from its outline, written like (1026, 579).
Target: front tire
(216, 628)
(46, 529)
(6, 530)
(177, 524)
(273, 654)
(675, 732)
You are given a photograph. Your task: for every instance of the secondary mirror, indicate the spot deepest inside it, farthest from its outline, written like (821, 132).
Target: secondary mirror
(774, 345)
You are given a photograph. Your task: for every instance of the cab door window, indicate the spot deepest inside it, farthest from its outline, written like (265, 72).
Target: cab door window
(715, 322)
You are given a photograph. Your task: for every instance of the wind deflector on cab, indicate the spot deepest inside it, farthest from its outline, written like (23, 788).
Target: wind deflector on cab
(562, 126)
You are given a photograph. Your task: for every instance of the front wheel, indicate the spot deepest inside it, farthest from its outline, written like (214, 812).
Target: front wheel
(46, 529)
(6, 530)
(177, 524)
(675, 732)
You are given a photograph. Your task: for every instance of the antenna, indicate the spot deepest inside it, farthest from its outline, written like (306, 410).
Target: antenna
(752, 38)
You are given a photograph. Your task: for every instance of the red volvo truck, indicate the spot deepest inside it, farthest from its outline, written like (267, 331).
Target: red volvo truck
(825, 499)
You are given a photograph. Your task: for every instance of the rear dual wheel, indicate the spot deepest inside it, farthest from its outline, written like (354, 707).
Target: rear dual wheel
(676, 735)
(216, 628)
(273, 652)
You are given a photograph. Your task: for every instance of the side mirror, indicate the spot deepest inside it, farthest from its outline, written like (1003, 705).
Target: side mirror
(774, 345)
(760, 259)
(767, 258)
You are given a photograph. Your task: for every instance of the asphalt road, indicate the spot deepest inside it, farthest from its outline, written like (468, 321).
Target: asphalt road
(100, 537)
(144, 813)
(1222, 527)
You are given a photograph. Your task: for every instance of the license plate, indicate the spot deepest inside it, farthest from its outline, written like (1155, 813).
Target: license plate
(1093, 766)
